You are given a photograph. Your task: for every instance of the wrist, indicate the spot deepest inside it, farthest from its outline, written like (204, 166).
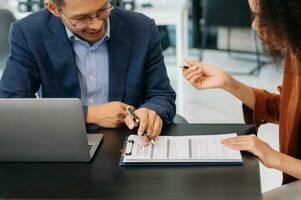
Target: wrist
(229, 83)
(278, 161)
(90, 119)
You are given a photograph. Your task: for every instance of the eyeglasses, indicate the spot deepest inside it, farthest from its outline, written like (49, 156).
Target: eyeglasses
(101, 14)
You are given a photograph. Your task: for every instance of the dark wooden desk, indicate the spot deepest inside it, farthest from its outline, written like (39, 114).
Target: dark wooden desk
(104, 179)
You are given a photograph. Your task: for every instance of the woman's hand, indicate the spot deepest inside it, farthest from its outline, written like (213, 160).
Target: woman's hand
(204, 76)
(268, 156)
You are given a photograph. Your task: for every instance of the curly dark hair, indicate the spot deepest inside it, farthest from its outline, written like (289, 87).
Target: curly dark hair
(59, 3)
(282, 19)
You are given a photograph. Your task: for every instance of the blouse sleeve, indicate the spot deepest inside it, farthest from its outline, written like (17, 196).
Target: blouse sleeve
(267, 108)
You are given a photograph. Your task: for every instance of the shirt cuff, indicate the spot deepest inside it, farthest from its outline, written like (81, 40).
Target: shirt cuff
(258, 115)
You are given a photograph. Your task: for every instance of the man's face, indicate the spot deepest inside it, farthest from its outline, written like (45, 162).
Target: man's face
(75, 15)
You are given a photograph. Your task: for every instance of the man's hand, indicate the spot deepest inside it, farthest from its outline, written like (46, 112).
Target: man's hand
(268, 156)
(149, 121)
(110, 115)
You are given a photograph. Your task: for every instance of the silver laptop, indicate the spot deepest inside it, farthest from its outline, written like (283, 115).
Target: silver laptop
(45, 130)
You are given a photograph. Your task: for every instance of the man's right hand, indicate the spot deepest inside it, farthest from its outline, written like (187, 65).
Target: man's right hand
(109, 115)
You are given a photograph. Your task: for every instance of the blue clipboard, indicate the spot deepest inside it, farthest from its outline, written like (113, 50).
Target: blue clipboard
(127, 151)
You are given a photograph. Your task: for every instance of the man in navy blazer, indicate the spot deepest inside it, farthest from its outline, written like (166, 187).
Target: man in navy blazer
(50, 53)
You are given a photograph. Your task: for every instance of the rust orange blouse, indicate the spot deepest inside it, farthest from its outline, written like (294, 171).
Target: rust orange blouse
(283, 109)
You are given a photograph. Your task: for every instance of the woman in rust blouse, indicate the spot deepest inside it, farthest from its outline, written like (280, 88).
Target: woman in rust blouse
(278, 24)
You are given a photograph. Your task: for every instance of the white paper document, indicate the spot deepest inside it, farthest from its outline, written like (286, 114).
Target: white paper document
(196, 148)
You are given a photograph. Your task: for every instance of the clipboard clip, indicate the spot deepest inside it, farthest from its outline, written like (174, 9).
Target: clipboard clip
(127, 148)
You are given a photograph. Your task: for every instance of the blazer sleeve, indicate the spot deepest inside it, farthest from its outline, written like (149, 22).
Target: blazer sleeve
(158, 94)
(20, 78)
(267, 108)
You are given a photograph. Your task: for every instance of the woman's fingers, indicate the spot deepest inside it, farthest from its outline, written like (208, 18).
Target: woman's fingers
(189, 77)
(192, 62)
(238, 138)
(190, 70)
(242, 143)
(192, 73)
(196, 81)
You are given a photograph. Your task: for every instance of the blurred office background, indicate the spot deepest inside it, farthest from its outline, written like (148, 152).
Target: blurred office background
(213, 31)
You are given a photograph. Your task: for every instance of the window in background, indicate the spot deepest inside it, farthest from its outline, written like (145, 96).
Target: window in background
(3, 2)
(30, 5)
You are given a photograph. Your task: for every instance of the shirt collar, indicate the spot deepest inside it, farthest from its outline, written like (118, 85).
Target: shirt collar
(105, 38)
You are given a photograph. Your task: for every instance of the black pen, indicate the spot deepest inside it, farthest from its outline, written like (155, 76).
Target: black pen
(185, 67)
(132, 114)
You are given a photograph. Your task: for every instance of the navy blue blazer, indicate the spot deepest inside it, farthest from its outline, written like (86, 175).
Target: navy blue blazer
(41, 56)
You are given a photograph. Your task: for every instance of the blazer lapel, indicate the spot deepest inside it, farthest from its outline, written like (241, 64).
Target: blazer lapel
(62, 56)
(119, 52)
